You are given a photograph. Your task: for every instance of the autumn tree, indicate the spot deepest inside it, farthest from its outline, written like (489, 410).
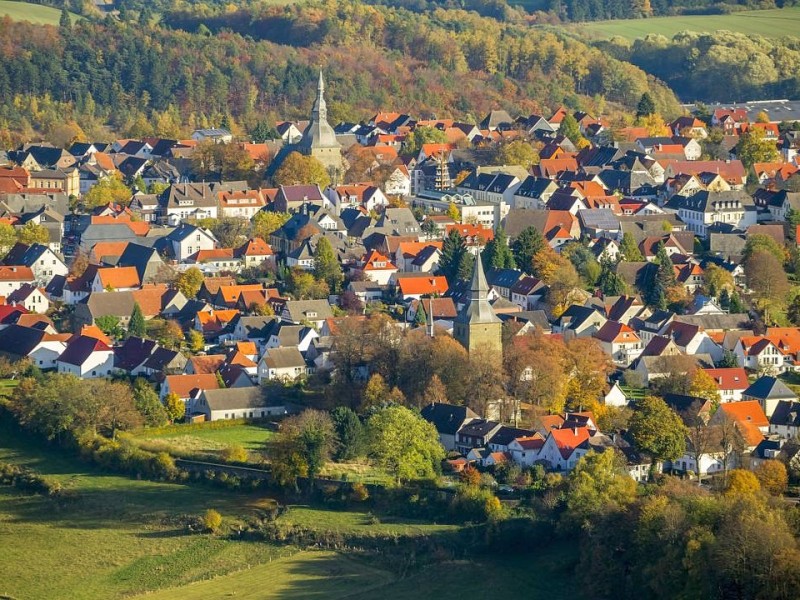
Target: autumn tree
(8, 237)
(518, 152)
(189, 282)
(754, 147)
(588, 367)
(742, 483)
(298, 169)
(704, 386)
(33, 233)
(717, 279)
(760, 242)
(265, 222)
(598, 483)
(147, 403)
(110, 189)
(536, 371)
(765, 276)
(569, 128)
(176, 408)
(772, 476)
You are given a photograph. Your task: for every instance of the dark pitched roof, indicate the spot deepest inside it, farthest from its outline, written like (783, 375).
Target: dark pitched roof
(80, 349)
(786, 413)
(16, 340)
(133, 352)
(447, 418)
(769, 387)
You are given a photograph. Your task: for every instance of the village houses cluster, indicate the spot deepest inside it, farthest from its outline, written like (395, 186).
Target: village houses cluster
(389, 237)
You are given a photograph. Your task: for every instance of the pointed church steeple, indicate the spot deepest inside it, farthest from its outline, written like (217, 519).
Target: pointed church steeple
(319, 111)
(319, 139)
(477, 324)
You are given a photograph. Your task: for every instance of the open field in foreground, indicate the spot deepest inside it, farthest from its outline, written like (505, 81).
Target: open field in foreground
(770, 23)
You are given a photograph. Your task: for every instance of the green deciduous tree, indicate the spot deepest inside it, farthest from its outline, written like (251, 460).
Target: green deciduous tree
(657, 430)
(110, 189)
(303, 445)
(33, 233)
(404, 444)
(598, 483)
(148, 404)
(754, 147)
(326, 265)
(265, 222)
(518, 152)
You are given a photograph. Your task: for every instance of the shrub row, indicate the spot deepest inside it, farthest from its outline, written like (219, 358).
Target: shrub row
(27, 480)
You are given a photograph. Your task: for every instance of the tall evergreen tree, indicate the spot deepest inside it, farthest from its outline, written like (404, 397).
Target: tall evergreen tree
(630, 251)
(646, 106)
(452, 253)
(662, 278)
(65, 22)
(497, 253)
(609, 282)
(465, 265)
(525, 247)
(326, 265)
(137, 326)
(569, 128)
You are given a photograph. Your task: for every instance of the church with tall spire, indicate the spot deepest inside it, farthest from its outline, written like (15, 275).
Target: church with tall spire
(319, 139)
(477, 325)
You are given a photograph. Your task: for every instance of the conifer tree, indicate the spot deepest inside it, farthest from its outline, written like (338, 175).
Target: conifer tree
(137, 326)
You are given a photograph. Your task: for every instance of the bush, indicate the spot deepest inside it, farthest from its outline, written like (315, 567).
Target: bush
(212, 520)
(234, 453)
(359, 493)
(476, 505)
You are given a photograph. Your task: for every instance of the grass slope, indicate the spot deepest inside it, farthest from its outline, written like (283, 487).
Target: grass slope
(35, 13)
(198, 442)
(769, 23)
(303, 575)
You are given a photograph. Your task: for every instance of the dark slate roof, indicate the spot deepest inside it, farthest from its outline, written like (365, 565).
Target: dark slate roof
(133, 352)
(503, 277)
(79, 350)
(447, 418)
(478, 428)
(506, 434)
(786, 413)
(533, 187)
(22, 254)
(769, 387)
(17, 340)
(235, 398)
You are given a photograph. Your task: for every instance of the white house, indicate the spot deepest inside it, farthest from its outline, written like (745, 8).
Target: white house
(44, 263)
(235, 403)
(188, 239)
(30, 297)
(13, 277)
(86, 357)
(281, 364)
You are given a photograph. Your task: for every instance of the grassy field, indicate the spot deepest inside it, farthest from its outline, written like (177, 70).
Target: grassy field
(770, 23)
(198, 442)
(359, 523)
(35, 13)
(302, 575)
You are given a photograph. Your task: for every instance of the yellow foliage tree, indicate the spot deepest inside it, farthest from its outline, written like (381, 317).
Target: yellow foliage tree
(742, 483)
(773, 477)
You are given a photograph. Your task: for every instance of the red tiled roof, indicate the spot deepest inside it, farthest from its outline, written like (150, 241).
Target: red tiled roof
(734, 378)
(568, 439)
(186, 385)
(422, 286)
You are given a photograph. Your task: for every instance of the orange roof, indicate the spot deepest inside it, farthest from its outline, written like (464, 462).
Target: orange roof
(241, 198)
(15, 273)
(118, 277)
(149, 298)
(733, 378)
(256, 247)
(550, 422)
(787, 339)
(432, 149)
(375, 261)
(554, 166)
(422, 286)
(216, 320)
(410, 249)
(748, 411)
(213, 254)
(104, 161)
(588, 188)
(567, 440)
(256, 151)
(239, 359)
(531, 442)
(230, 293)
(248, 348)
(101, 249)
(93, 331)
(185, 385)
(207, 364)
(467, 230)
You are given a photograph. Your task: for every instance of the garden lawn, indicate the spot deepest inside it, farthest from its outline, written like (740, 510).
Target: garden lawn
(770, 23)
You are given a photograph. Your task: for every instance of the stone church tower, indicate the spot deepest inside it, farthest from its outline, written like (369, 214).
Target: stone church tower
(319, 140)
(477, 325)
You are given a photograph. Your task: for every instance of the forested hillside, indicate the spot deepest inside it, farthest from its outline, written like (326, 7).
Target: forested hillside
(249, 65)
(721, 66)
